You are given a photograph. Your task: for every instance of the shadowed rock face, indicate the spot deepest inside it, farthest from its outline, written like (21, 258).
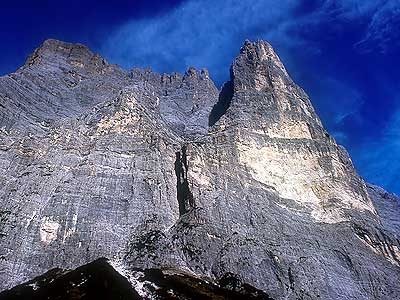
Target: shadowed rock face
(162, 171)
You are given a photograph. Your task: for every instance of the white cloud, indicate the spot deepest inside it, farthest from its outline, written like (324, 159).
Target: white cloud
(381, 16)
(343, 100)
(383, 30)
(199, 33)
(352, 9)
(336, 101)
(209, 33)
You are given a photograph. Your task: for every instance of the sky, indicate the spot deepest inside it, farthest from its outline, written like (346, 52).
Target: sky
(344, 53)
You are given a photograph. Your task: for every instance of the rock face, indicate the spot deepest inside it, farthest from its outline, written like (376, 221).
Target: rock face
(164, 171)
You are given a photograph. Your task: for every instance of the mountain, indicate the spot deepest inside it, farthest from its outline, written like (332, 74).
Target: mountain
(165, 172)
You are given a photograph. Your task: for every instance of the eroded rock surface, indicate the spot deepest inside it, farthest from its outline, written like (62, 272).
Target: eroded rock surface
(164, 171)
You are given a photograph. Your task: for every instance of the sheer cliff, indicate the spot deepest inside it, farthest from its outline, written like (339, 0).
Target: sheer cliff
(166, 172)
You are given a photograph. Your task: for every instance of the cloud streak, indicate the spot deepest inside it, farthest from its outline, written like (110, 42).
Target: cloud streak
(377, 159)
(382, 33)
(208, 33)
(198, 33)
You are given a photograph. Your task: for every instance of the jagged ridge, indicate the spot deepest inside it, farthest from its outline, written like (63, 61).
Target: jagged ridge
(101, 162)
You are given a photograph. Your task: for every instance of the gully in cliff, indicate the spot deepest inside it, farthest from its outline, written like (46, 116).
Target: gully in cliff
(184, 195)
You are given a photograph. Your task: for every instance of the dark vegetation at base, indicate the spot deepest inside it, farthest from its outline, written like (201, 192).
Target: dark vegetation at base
(242, 290)
(98, 281)
(180, 286)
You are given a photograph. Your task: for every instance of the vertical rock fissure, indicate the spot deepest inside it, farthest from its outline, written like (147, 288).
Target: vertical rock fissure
(224, 101)
(184, 195)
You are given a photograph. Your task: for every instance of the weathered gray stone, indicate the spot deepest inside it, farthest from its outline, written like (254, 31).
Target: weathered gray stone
(156, 170)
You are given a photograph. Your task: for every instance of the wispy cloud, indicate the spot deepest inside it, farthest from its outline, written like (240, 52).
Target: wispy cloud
(209, 33)
(199, 33)
(336, 102)
(341, 99)
(382, 33)
(352, 9)
(382, 18)
(378, 158)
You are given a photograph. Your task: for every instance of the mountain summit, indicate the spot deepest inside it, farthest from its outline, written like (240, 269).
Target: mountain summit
(239, 192)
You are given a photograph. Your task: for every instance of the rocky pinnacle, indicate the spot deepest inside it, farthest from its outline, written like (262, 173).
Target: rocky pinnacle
(165, 171)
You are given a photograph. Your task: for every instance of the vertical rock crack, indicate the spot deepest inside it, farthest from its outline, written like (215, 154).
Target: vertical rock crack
(224, 101)
(184, 195)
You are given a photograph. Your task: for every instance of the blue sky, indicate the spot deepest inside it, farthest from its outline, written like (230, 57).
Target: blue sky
(344, 53)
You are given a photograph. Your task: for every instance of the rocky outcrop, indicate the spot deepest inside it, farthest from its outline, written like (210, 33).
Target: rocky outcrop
(281, 141)
(99, 280)
(162, 171)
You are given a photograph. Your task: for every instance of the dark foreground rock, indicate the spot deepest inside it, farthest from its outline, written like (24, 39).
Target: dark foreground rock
(98, 280)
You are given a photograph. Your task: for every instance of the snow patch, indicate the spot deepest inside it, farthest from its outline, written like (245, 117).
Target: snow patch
(34, 286)
(134, 279)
